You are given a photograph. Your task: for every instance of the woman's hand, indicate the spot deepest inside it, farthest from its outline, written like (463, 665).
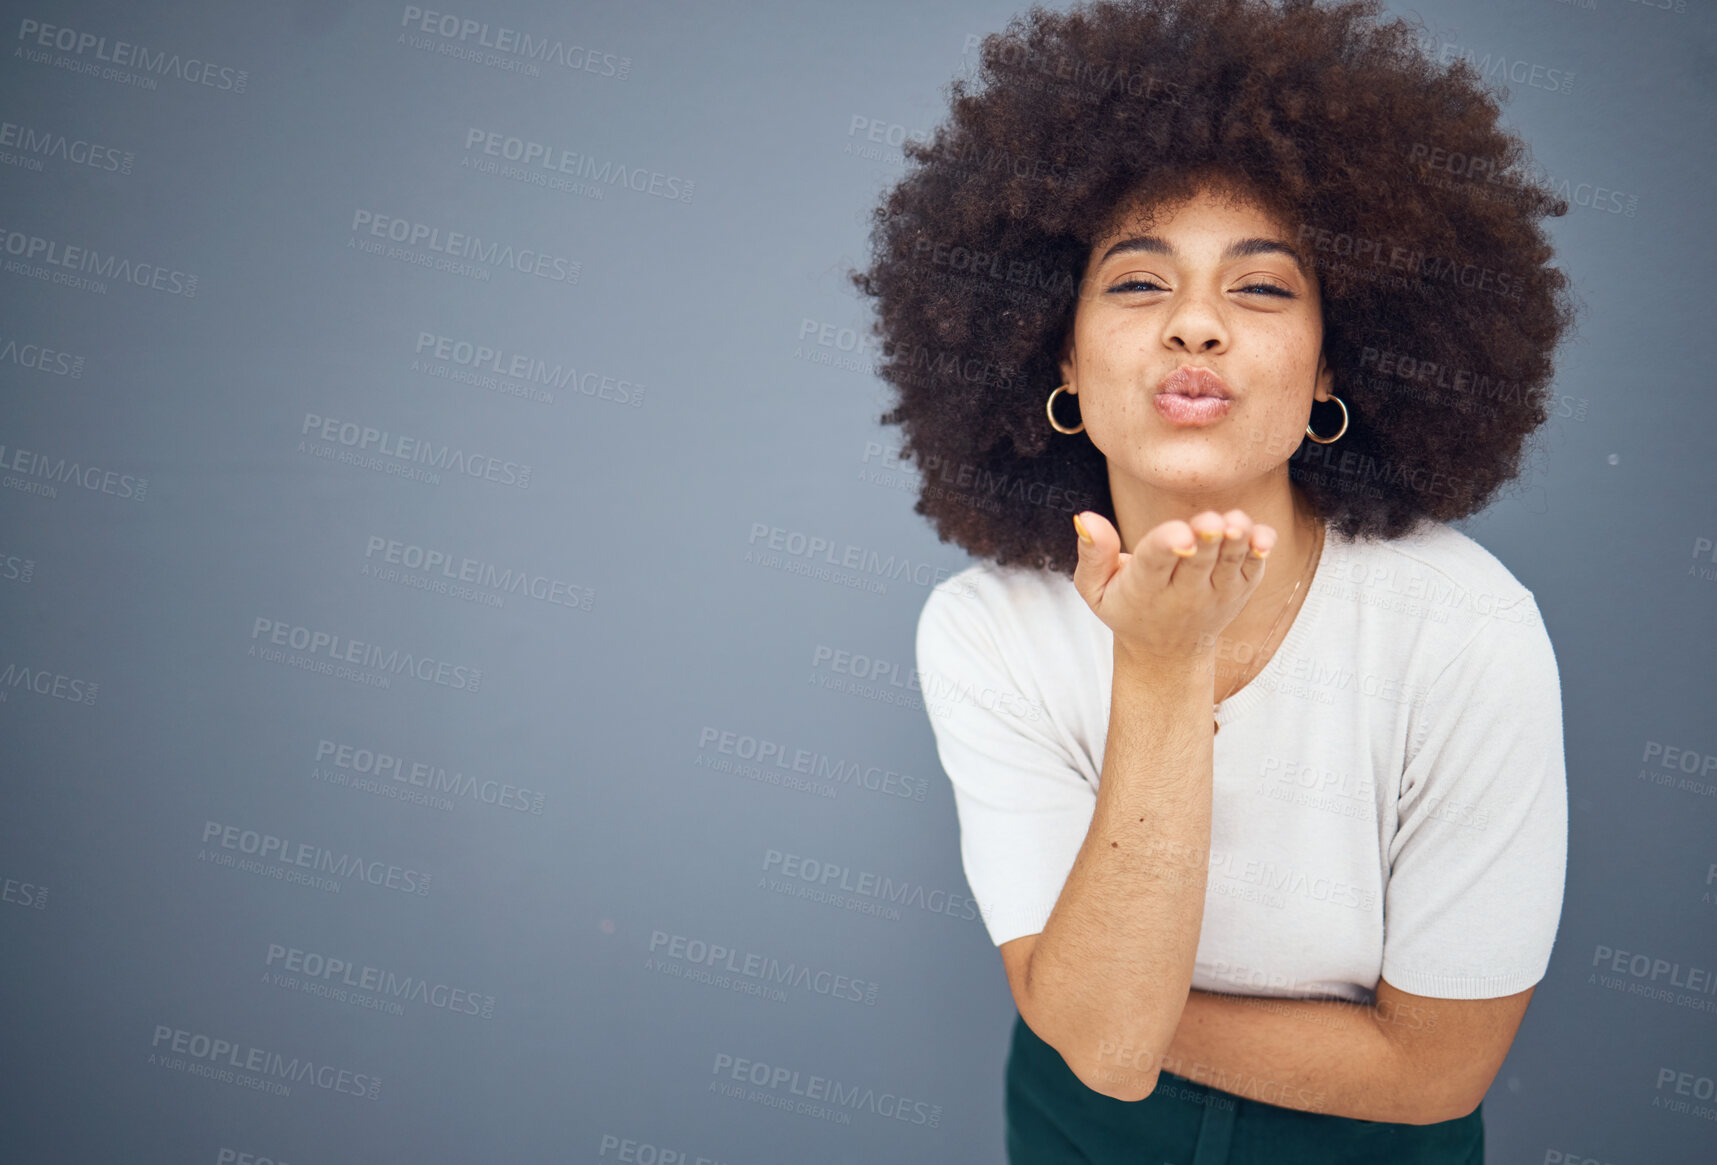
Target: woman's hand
(1183, 582)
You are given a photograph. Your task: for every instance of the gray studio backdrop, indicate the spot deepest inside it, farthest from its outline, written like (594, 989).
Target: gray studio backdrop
(456, 680)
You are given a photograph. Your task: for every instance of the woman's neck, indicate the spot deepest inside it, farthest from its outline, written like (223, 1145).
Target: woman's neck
(1275, 502)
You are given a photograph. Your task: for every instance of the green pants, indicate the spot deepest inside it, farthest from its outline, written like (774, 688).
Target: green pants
(1054, 1119)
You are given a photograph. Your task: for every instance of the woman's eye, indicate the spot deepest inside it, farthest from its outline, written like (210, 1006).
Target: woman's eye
(1150, 285)
(1138, 284)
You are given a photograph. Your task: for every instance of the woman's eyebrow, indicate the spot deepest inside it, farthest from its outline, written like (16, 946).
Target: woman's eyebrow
(1240, 248)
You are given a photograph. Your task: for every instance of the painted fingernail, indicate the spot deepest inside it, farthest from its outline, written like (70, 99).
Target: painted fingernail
(1256, 553)
(1232, 533)
(1080, 528)
(1185, 551)
(1209, 535)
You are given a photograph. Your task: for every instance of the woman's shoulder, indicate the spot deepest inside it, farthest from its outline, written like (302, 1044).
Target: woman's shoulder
(1019, 616)
(1440, 564)
(1012, 595)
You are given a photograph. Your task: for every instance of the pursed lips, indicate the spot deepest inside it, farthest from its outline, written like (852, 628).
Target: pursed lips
(1193, 382)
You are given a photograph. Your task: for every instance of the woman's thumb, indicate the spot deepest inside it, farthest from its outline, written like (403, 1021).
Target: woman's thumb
(1099, 553)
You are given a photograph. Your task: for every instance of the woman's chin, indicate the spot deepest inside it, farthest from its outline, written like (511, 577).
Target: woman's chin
(1192, 475)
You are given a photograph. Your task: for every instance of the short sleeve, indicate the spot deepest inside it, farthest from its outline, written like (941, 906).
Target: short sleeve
(1024, 808)
(1478, 862)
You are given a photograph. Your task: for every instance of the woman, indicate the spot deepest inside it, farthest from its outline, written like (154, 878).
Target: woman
(1274, 858)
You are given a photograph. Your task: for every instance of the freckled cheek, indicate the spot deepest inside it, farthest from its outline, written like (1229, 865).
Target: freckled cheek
(1110, 415)
(1274, 435)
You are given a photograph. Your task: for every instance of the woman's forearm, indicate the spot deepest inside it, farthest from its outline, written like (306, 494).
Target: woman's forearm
(1316, 1055)
(1109, 973)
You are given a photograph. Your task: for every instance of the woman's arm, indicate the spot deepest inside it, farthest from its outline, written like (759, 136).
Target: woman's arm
(1105, 981)
(1407, 1058)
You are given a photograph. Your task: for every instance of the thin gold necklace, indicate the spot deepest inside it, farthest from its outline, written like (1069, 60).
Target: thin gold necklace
(1316, 551)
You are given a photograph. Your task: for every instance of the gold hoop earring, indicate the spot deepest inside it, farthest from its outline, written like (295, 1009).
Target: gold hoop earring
(1049, 407)
(1338, 432)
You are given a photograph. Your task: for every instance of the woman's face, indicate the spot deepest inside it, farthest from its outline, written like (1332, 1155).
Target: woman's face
(1211, 284)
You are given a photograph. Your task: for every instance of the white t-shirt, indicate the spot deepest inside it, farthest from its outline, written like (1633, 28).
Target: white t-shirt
(1389, 792)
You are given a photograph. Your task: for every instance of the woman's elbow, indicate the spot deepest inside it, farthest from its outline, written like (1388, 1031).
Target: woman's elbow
(1117, 1079)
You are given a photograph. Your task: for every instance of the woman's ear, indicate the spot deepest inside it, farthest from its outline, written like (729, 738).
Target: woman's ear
(1325, 386)
(1067, 365)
